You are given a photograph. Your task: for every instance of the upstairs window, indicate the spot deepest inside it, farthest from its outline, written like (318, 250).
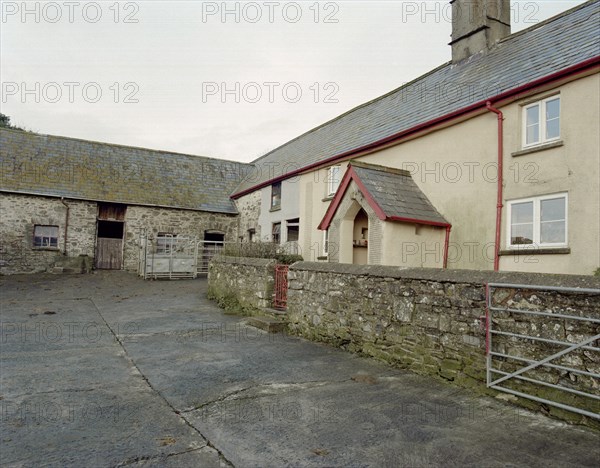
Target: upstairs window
(541, 122)
(333, 180)
(538, 222)
(276, 196)
(45, 236)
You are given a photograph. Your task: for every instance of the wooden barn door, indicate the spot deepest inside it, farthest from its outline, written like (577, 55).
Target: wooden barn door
(109, 237)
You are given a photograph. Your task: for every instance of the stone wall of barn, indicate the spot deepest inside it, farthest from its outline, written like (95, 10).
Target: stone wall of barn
(20, 213)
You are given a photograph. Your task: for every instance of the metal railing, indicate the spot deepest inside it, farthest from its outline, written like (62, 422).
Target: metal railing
(588, 343)
(281, 287)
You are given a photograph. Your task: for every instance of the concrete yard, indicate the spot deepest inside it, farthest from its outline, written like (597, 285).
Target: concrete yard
(110, 370)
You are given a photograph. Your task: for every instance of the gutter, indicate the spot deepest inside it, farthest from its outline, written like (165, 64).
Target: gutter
(395, 138)
(62, 200)
(499, 201)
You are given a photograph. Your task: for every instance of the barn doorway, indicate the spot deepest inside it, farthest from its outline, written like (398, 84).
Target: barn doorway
(212, 245)
(110, 231)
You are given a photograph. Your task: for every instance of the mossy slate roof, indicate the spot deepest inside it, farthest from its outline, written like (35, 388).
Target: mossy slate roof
(87, 170)
(566, 40)
(396, 193)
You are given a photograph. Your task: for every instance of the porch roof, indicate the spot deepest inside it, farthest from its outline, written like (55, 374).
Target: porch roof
(392, 193)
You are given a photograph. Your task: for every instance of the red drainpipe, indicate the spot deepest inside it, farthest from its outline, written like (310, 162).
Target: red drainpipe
(499, 203)
(447, 245)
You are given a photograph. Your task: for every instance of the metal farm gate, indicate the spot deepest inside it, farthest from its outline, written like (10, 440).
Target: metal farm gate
(167, 256)
(521, 357)
(170, 256)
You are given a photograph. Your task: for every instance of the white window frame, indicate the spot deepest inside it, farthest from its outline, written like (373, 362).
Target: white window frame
(46, 237)
(537, 244)
(542, 122)
(333, 183)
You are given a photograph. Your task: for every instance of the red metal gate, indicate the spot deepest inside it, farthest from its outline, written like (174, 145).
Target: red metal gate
(281, 287)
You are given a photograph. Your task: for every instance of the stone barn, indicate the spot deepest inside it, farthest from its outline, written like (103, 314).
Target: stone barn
(69, 203)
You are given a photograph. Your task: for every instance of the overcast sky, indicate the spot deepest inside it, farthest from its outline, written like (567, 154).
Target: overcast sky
(222, 79)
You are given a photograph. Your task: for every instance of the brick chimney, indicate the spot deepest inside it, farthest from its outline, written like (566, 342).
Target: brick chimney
(477, 25)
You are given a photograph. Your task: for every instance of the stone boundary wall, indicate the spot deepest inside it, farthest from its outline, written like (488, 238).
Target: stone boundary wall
(432, 322)
(241, 284)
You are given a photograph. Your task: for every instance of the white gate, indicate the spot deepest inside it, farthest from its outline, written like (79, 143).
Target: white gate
(169, 256)
(510, 349)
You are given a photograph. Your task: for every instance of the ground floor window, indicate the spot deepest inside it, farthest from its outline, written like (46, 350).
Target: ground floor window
(251, 235)
(293, 229)
(45, 236)
(276, 233)
(538, 221)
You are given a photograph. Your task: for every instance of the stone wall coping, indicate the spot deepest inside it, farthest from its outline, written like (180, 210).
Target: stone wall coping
(249, 261)
(450, 275)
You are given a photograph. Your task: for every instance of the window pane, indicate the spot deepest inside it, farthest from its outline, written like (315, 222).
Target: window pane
(533, 134)
(552, 129)
(553, 109)
(521, 234)
(45, 236)
(533, 124)
(553, 232)
(334, 179)
(553, 210)
(522, 213)
(276, 195)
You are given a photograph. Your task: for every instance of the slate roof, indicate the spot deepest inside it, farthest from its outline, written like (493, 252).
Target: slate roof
(392, 193)
(540, 51)
(87, 170)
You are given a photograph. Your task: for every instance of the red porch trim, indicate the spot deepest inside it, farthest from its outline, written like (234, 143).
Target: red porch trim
(351, 175)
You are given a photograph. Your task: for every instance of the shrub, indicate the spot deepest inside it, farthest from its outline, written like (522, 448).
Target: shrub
(597, 272)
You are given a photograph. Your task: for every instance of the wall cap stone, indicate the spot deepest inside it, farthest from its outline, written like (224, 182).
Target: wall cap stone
(266, 262)
(450, 275)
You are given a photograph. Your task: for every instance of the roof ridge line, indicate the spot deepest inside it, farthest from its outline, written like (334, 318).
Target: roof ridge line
(380, 168)
(349, 111)
(119, 145)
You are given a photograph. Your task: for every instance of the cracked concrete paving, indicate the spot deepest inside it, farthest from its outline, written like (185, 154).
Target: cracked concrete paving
(109, 370)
